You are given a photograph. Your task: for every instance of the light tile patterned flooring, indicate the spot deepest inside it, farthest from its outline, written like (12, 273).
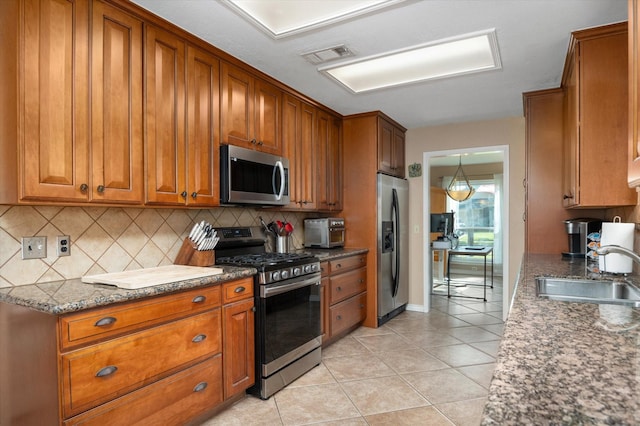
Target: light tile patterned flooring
(419, 368)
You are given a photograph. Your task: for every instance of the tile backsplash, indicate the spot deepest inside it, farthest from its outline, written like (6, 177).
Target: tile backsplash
(110, 239)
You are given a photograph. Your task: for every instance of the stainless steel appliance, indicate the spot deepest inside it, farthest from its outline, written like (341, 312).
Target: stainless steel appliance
(577, 231)
(325, 232)
(253, 177)
(393, 246)
(287, 299)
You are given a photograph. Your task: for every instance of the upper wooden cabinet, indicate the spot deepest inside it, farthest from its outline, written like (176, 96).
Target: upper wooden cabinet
(390, 148)
(329, 162)
(80, 112)
(251, 111)
(634, 94)
(298, 135)
(182, 114)
(596, 116)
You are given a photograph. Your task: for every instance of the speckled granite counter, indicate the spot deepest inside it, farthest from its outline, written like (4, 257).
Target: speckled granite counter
(334, 253)
(59, 297)
(562, 362)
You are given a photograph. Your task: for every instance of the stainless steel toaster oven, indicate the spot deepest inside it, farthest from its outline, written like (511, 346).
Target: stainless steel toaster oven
(325, 232)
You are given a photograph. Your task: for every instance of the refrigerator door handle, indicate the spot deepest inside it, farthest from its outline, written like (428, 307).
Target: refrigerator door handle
(395, 273)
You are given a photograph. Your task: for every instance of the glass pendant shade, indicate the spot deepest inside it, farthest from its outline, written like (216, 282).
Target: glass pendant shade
(460, 189)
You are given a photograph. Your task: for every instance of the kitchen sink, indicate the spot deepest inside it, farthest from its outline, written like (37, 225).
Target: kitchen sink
(590, 291)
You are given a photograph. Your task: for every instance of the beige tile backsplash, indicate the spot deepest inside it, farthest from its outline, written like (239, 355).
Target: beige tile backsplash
(111, 239)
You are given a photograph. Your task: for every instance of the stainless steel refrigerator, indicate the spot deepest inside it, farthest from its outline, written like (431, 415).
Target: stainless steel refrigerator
(393, 246)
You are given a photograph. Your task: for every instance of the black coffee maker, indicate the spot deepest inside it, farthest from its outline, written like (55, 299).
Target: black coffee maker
(577, 231)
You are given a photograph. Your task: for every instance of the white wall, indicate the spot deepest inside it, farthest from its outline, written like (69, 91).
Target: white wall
(507, 131)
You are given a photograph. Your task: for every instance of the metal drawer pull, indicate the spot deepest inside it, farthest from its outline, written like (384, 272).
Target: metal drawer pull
(339, 265)
(239, 289)
(199, 299)
(200, 387)
(106, 371)
(361, 280)
(103, 322)
(199, 338)
(339, 317)
(339, 288)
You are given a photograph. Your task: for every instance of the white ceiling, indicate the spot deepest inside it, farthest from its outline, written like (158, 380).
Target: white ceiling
(533, 36)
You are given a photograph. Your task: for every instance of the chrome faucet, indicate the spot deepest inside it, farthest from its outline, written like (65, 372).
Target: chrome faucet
(605, 250)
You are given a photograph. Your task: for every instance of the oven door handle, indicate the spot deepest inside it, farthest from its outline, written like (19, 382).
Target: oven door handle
(273, 290)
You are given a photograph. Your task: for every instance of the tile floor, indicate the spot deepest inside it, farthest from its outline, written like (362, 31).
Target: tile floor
(419, 368)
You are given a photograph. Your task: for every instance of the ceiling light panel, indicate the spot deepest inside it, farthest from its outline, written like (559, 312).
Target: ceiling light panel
(445, 58)
(282, 18)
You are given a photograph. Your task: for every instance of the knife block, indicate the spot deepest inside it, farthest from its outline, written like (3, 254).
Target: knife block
(188, 255)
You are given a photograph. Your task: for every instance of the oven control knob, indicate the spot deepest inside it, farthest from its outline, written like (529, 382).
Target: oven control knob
(296, 271)
(284, 274)
(307, 269)
(275, 276)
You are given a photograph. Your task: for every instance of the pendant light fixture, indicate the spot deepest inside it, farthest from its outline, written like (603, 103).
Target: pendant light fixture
(460, 188)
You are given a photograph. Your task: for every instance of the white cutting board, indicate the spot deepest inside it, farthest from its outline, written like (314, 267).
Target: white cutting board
(148, 277)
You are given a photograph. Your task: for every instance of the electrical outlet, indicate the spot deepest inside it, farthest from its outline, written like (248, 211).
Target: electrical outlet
(64, 245)
(34, 247)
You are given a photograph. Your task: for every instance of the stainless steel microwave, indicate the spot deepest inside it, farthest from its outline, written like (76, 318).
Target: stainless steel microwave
(253, 177)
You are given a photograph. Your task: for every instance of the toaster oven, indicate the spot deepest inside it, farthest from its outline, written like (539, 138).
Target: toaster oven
(325, 232)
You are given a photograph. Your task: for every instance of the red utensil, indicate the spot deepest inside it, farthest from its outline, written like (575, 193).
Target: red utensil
(288, 228)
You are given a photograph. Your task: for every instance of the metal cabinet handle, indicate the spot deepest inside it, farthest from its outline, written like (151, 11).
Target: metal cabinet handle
(253, 142)
(200, 387)
(199, 299)
(339, 265)
(361, 306)
(106, 371)
(100, 188)
(361, 280)
(199, 338)
(84, 187)
(194, 194)
(339, 317)
(103, 322)
(339, 288)
(567, 196)
(260, 143)
(239, 289)
(183, 194)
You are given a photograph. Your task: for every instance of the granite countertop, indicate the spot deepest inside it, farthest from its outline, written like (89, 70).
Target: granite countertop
(334, 253)
(60, 297)
(565, 362)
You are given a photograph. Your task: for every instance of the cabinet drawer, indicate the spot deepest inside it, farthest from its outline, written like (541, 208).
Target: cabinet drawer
(347, 263)
(173, 400)
(346, 285)
(324, 269)
(98, 373)
(348, 313)
(237, 290)
(99, 324)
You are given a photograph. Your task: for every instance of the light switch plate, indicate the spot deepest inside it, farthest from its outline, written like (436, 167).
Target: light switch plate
(34, 247)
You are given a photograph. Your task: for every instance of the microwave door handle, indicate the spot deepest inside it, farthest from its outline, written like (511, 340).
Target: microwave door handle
(280, 166)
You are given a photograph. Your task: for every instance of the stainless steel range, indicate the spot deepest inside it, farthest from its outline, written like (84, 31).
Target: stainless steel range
(288, 322)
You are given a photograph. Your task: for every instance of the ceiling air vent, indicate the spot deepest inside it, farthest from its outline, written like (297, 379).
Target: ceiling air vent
(329, 54)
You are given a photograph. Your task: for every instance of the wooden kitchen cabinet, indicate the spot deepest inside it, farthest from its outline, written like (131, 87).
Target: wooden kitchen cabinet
(329, 162)
(239, 343)
(78, 67)
(298, 133)
(160, 359)
(390, 148)
(633, 171)
(251, 111)
(595, 81)
(182, 116)
(345, 297)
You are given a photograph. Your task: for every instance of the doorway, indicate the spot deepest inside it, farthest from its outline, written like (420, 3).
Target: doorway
(469, 157)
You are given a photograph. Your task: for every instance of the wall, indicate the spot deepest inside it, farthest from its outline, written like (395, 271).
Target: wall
(506, 131)
(110, 239)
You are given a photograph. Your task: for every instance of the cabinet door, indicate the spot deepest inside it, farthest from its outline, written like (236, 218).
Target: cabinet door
(203, 127)
(165, 117)
(267, 117)
(335, 163)
(236, 107)
(329, 166)
(238, 352)
(298, 134)
(570, 195)
(398, 152)
(634, 94)
(385, 146)
(116, 106)
(54, 105)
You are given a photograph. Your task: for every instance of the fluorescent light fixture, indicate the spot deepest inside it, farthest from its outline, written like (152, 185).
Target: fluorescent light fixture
(466, 54)
(282, 18)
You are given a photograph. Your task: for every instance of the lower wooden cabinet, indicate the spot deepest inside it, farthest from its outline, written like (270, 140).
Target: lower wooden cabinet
(159, 360)
(344, 296)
